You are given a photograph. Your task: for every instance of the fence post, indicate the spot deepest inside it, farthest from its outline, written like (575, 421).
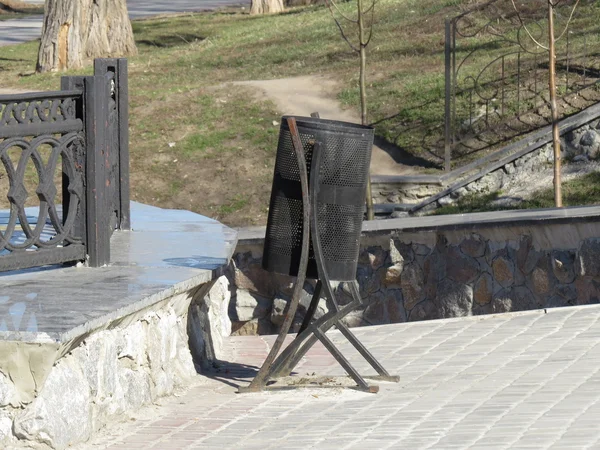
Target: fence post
(96, 96)
(118, 67)
(79, 227)
(447, 113)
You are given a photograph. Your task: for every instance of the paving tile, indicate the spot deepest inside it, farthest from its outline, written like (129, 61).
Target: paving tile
(514, 381)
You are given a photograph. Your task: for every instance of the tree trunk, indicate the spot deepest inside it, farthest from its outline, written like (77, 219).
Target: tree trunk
(78, 30)
(553, 107)
(266, 6)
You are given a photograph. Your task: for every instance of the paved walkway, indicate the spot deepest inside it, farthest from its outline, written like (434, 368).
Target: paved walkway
(518, 381)
(30, 28)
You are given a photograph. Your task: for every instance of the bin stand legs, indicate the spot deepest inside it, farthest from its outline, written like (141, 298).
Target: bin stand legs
(280, 365)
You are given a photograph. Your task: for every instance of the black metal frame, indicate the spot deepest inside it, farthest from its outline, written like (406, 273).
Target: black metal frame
(311, 331)
(86, 125)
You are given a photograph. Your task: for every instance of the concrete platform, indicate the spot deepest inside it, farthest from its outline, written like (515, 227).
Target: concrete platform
(168, 251)
(519, 381)
(116, 337)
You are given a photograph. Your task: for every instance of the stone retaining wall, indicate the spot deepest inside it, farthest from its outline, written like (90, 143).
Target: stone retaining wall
(581, 144)
(113, 372)
(437, 273)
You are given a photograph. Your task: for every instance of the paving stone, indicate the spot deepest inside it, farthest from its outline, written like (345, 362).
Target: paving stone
(525, 380)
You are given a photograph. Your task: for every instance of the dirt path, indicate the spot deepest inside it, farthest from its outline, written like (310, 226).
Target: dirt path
(304, 95)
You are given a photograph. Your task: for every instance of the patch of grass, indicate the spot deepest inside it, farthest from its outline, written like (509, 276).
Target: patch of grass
(203, 142)
(578, 192)
(233, 205)
(223, 134)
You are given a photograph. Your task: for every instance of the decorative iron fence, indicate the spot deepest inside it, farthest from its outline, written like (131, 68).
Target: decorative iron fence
(497, 76)
(66, 170)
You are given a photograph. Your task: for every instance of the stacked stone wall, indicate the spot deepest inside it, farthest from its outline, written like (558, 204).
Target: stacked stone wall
(435, 275)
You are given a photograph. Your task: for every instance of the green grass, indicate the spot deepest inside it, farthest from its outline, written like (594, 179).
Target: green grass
(577, 192)
(223, 134)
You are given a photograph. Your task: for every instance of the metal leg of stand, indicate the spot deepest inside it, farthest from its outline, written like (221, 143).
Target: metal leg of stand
(383, 374)
(260, 380)
(314, 304)
(291, 356)
(360, 382)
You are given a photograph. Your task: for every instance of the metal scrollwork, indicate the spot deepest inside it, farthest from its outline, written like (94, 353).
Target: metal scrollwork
(36, 111)
(499, 73)
(20, 234)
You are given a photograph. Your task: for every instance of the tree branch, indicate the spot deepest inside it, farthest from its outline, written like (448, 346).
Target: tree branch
(525, 26)
(331, 2)
(568, 21)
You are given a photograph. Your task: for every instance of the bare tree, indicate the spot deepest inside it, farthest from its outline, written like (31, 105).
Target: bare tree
(78, 30)
(266, 6)
(361, 27)
(551, 48)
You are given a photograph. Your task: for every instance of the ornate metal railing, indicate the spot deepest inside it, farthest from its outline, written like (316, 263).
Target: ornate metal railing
(497, 76)
(64, 170)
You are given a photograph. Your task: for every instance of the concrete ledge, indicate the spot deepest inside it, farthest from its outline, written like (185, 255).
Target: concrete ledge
(520, 217)
(114, 337)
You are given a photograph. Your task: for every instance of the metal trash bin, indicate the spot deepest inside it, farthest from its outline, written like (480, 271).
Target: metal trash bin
(345, 159)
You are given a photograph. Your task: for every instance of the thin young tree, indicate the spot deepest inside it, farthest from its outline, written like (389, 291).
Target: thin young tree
(551, 49)
(361, 26)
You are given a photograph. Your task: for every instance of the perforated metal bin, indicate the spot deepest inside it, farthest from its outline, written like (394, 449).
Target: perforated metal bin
(345, 159)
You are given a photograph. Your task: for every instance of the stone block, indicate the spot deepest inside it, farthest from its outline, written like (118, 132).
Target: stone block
(434, 268)
(412, 282)
(134, 387)
(504, 271)
(563, 266)
(454, 299)
(483, 290)
(374, 257)
(56, 418)
(460, 267)
(517, 298)
(134, 344)
(252, 328)
(401, 252)
(501, 304)
(5, 426)
(425, 310)
(568, 292)
(392, 276)
(369, 281)
(376, 311)
(541, 281)
(395, 306)
(248, 306)
(250, 276)
(590, 141)
(354, 319)
(588, 258)
(277, 316)
(522, 254)
(473, 245)
(7, 391)
(588, 291)
(445, 201)
(421, 250)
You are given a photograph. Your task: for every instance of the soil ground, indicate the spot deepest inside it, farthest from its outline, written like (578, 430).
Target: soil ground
(304, 95)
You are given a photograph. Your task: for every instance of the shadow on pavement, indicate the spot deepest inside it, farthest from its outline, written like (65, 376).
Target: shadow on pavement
(231, 373)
